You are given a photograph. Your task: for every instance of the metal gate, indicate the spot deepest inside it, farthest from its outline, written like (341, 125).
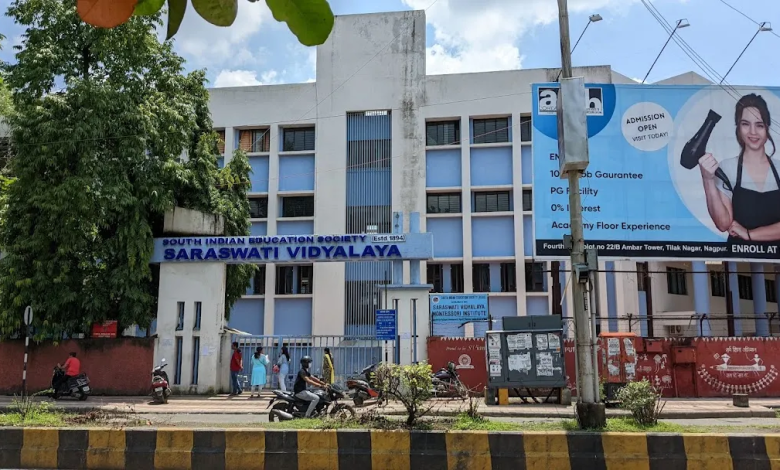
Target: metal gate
(350, 354)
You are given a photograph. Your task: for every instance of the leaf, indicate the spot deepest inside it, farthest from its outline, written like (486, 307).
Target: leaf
(311, 21)
(176, 9)
(105, 13)
(148, 7)
(217, 12)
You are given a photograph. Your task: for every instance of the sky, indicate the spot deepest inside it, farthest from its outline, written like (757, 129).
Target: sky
(487, 35)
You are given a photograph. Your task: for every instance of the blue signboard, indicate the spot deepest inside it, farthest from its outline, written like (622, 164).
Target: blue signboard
(293, 248)
(385, 325)
(458, 308)
(669, 173)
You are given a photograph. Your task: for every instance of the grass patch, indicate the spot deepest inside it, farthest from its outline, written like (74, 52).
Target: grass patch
(44, 419)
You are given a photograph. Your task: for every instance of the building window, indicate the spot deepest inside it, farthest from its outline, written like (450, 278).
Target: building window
(494, 201)
(745, 284)
(641, 277)
(444, 203)
(435, 276)
(198, 315)
(298, 139)
(258, 207)
(359, 218)
(491, 131)
(481, 277)
(525, 129)
(178, 358)
(675, 281)
(258, 281)
(254, 140)
(527, 200)
(771, 295)
(195, 359)
(298, 206)
(718, 284)
(456, 275)
(534, 277)
(291, 280)
(221, 141)
(508, 277)
(179, 316)
(442, 133)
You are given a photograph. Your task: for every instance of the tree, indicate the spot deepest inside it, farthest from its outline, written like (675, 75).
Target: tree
(410, 385)
(310, 20)
(98, 131)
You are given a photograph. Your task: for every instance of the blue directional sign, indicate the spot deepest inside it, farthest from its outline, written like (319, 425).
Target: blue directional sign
(385, 325)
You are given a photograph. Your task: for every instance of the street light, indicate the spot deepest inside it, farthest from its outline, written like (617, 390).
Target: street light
(683, 23)
(765, 26)
(594, 18)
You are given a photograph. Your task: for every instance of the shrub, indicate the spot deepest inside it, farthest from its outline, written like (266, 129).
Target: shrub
(643, 401)
(410, 385)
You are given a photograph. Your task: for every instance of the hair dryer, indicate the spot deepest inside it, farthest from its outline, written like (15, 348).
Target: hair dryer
(696, 147)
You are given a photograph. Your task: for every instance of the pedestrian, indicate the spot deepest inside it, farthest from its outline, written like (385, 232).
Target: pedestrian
(236, 366)
(259, 363)
(328, 371)
(283, 368)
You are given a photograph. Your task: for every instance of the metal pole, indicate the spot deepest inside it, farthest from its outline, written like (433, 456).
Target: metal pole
(589, 414)
(24, 371)
(595, 315)
(662, 51)
(414, 331)
(741, 53)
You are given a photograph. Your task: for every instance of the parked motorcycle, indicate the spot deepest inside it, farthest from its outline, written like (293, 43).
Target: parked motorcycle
(286, 406)
(160, 387)
(76, 387)
(446, 382)
(361, 390)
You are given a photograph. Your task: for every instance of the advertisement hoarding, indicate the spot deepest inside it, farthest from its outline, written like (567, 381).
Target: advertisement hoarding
(458, 308)
(676, 172)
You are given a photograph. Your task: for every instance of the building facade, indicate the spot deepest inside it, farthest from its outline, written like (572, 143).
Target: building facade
(374, 134)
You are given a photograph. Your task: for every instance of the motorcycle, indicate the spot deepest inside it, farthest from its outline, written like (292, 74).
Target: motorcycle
(287, 406)
(77, 387)
(446, 382)
(160, 388)
(362, 390)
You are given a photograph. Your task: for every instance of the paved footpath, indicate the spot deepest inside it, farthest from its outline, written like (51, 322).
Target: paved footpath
(710, 408)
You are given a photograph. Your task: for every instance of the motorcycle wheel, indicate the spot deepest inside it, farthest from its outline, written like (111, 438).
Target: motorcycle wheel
(164, 398)
(342, 411)
(461, 390)
(358, 400)
(83, 397)
(278, 406)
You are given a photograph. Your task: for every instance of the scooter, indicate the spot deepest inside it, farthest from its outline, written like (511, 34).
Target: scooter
(446, 382)
(287, 406)
(77, 387)
(362, 390)
(160, 389)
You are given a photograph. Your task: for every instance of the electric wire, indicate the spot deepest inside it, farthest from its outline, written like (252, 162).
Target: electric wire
(757, 23)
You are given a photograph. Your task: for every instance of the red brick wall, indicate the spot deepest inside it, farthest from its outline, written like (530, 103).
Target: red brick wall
(114, 366)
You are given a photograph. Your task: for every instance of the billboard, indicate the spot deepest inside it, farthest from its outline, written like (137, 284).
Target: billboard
(676, 172)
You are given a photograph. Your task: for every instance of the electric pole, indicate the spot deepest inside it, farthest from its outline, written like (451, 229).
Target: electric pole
(573, 158)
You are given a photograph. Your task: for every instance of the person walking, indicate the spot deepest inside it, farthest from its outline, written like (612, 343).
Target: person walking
(328, 371)
(259, 371)
(283, 366)
(236, 366)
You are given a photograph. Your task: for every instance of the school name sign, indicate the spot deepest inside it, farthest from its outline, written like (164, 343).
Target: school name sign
(293, 248)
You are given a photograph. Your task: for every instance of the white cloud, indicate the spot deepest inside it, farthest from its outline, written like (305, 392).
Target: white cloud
(229, 78)
(478, 36)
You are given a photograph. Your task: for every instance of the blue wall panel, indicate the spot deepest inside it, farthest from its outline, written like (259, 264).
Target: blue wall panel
(248, 315)
(295, 227)
(498, 307)
(491, 236)
(447, 236)
(537, 305)
(442, 168)
(296, 173)
(259, 175)
(258, 229)
(220, 162)
(528, 235)
(292, 317)
(368, 127)
(368, 271)
(369, 187)
(491, 166)
(525, 158)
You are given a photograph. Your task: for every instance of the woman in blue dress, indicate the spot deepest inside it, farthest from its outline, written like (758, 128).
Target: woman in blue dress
(259, 363)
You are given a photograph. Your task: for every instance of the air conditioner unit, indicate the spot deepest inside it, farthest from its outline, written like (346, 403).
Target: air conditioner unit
(674, 330)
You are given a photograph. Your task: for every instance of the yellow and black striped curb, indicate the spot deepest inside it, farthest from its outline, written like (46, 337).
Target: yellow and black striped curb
(379, 450)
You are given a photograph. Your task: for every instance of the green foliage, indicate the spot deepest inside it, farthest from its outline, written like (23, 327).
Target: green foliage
(642, 400)
(311, 21)
(217, 12)
(97, 164)
(410, 385)
(176, 9)
(148, 7)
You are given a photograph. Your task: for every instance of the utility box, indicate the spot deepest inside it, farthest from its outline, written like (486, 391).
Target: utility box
(618, 366)
(573, 99)
(526, 358)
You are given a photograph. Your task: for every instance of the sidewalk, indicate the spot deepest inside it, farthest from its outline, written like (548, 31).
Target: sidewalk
(224, 405)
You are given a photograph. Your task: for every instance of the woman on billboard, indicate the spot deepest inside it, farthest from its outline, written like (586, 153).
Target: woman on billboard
(749, 209)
